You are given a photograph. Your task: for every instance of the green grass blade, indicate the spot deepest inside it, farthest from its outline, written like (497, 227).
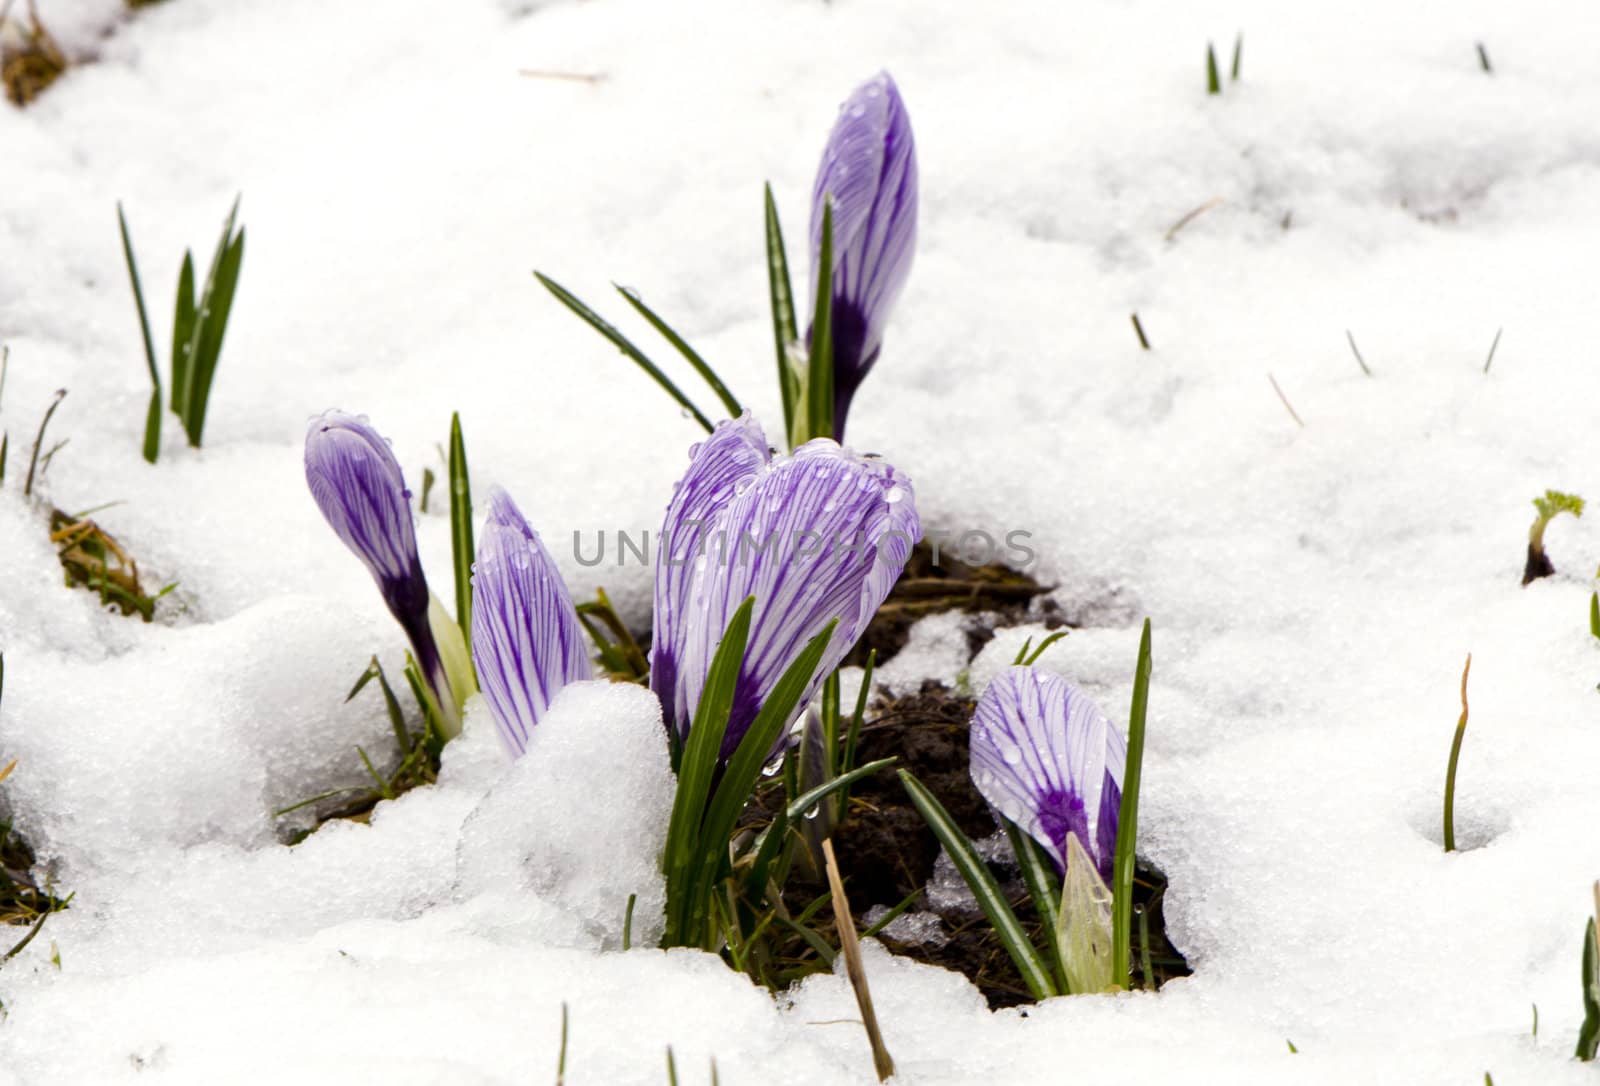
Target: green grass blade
(701, 366)
(807, 800)
(461, 543)
(853, 736)
(1026, 658)
(696, 768)
(216, 302)
(1589, 1034)
(152, 422)
(1594, 613)
(990, 898)
(781, 291)
(200, 316)
(819, 372)
(1039, 875)
(1238, 54)
(623, 344)
(1213, 83)
(754, 751)
(183, 319)
(1450, 766)
(1128, 819)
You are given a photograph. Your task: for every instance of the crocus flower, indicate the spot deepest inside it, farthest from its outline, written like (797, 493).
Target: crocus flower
(358, 485)
(527, 642)
(818, 535)
(869, 173)
(1046, 757)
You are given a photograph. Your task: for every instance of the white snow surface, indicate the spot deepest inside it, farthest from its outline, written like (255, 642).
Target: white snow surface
(1314, 589)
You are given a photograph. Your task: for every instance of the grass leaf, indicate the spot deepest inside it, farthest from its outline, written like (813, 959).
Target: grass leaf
(183, 318)
(1128, 819)
(1039, 875)
(1589, 1034)
(701, 366)
(623, 344)
(819, 371)
(211, 324)
(983, 886)
(697, 766)
(152, 422)
(754, 751)
(781, 291)
(461, 543)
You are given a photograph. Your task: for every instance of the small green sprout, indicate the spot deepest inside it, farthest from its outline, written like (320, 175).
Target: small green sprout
(1213, 81)
(1450, 769)
(1552, 505)
(1589, 1034)
(198, 325)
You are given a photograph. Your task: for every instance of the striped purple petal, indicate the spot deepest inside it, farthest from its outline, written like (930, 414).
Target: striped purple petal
(527, 643)
(357, 483)
(1046, 757)
(719, 465)
(816, 536)
(869, 172)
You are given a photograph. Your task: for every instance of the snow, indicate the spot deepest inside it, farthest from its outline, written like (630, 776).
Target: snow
(1314, 589)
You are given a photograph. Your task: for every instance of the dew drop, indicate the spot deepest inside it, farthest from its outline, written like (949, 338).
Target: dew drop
(896, 493)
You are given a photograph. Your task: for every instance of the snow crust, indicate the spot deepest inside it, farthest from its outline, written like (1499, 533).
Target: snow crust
(1314, 589)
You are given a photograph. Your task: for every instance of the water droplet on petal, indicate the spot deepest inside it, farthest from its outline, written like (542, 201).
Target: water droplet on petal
(896, 493)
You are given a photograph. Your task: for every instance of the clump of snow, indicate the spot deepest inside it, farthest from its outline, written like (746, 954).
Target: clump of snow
(935, 646)
(578, 824)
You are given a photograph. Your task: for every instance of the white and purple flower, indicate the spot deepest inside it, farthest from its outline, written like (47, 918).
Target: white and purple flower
(1046, 757)
(869, 174)
(817, 536)
(527, 642)
(357, 483)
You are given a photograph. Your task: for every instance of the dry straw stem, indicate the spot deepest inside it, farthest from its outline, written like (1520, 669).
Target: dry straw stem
(1215, 201)
(1292, 412)
(564, 77)
(850, 947)
(26, 69)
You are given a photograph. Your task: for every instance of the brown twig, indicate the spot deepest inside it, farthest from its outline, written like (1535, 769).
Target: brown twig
(1292, 412)
(568, 77)
(850, 947)
(1191, 216)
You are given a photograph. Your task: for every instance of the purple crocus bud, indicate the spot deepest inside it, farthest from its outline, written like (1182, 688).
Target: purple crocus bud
(869, 172)
(1046, 757)
(817, 536)
(527, 643)
(730, 457)
(358, 485)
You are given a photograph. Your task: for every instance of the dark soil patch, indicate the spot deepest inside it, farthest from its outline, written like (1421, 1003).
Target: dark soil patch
(23, 901)
(1008, 596)
(886, 852)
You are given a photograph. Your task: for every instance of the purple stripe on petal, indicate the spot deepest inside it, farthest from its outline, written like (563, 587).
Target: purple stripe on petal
(719, 466)
(357, 483)
(527, 643)
(819, 535)
(869, 172)
(1046, 757)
